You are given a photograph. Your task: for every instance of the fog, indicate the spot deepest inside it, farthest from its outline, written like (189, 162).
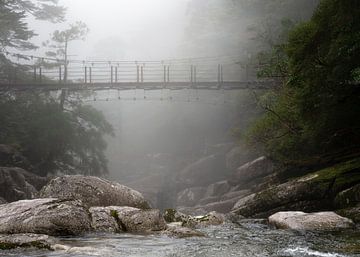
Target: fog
(124, 29)
(170, 143)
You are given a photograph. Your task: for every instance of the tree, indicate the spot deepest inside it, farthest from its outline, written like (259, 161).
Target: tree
(60, 42)
(314, 113)
(55, 140)
(14, 30)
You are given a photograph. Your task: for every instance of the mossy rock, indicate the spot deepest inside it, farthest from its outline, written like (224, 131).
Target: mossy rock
(342, 176)
(9, 242)
(351, 213)
(319, 189)
(169, 215)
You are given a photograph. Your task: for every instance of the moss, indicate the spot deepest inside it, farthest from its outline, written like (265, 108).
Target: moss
(36, 244)
(115, 215)
(7, 246)
(340, 176)
(169, 215)
(344, 168)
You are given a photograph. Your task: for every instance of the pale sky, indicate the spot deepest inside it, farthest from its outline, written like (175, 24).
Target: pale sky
(123, 29)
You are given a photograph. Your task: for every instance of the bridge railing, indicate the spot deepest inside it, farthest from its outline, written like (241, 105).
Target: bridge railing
(118, 72)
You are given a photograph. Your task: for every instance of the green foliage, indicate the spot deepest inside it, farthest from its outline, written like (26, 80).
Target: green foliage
(315, 111)
(15, 32)
(59, 43)
(53, 140)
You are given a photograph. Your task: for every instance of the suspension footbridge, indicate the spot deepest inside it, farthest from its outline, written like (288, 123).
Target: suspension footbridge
(211, 73)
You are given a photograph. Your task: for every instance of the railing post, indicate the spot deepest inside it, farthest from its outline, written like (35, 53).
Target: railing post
(221, 74)
(191, 74)
(40, 74)
(15, 74)
(168, 73)
(35, 73)
(85, 78)
(137, 74)
(90, 75)
(60, 74)
(164, 74)
(194, 73)
(116, 74)
(111, 79)
(218, 75)
(142, 74)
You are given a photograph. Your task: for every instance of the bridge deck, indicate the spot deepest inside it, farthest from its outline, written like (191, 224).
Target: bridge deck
(137, 85)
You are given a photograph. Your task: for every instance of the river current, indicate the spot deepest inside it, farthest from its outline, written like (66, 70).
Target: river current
(248, 239)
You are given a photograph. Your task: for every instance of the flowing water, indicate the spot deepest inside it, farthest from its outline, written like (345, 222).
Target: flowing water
(249, 239)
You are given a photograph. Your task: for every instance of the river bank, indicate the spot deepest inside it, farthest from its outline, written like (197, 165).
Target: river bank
(249, 239)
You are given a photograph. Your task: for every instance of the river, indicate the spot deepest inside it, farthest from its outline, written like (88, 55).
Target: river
(249, 239)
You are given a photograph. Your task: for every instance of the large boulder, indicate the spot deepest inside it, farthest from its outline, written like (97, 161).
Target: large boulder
(310, 221)
(2, 200)
(203, 172)
(352, 213)
(348, 198)
(217, 189)
(93, 191)
(259, 168)
(10, 156)
(311, 193)
(221, 148)
(237, 157)
(221, 206)
(18, 184)
(211, 218)
(177, 230)
(8, 242)
(44, 216)
(126, 219)
(190, 196)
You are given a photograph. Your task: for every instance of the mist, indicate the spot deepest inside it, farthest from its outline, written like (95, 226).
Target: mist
(179, 128)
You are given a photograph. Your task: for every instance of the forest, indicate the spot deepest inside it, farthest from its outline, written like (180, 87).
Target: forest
(189, 164)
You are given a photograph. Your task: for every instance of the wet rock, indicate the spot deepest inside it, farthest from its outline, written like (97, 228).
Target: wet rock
(44, 216)
(172, 215)
(208, 200)
(10, 156)
(352, 213)
(203, 172)
(224, 206)
(236, 157)
(212, 218)
(348, 198)
(176, 230)
(93, 191)
(222, 148)
(311, 193)
(104, 219)
(236, 194)
(194, 211)
(2, 200)
(18, 184)
(217, 189)
(126, 219)
(190, 196)
(327, 221)
(8, 242)
(258, 168)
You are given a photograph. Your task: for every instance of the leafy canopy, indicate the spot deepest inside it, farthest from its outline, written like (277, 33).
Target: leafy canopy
(54, 140)
(315, 112)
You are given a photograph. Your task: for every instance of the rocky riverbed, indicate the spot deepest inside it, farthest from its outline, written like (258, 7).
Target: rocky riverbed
(250, 238)
(90, 216)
